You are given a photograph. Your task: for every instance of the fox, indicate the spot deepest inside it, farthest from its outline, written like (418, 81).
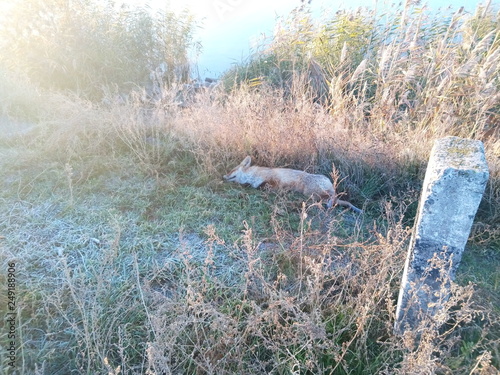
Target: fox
(315, 185)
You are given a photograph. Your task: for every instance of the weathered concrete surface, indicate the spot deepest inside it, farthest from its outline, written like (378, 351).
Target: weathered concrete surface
(454, 184)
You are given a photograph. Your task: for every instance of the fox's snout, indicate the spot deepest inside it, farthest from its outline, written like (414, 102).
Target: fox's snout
(229, 177)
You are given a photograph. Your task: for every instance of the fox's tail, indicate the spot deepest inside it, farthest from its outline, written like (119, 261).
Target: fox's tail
(340, 202)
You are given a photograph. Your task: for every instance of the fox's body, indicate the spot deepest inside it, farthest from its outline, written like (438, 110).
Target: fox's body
(315, 185)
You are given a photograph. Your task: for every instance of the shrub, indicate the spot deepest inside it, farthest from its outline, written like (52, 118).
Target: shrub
(85, 45)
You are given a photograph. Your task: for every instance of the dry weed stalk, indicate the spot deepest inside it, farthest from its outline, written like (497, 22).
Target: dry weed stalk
(299, 307)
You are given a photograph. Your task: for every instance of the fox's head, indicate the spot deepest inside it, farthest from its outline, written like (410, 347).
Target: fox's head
(238, 174)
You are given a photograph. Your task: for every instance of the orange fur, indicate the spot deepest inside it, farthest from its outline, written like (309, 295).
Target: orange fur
(315, 185)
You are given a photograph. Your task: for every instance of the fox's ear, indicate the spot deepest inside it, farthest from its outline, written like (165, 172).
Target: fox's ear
(246, 162)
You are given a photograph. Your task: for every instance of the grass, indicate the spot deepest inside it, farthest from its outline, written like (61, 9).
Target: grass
(132, 255)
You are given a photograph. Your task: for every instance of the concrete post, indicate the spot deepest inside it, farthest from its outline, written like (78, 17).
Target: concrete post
(454, 183)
